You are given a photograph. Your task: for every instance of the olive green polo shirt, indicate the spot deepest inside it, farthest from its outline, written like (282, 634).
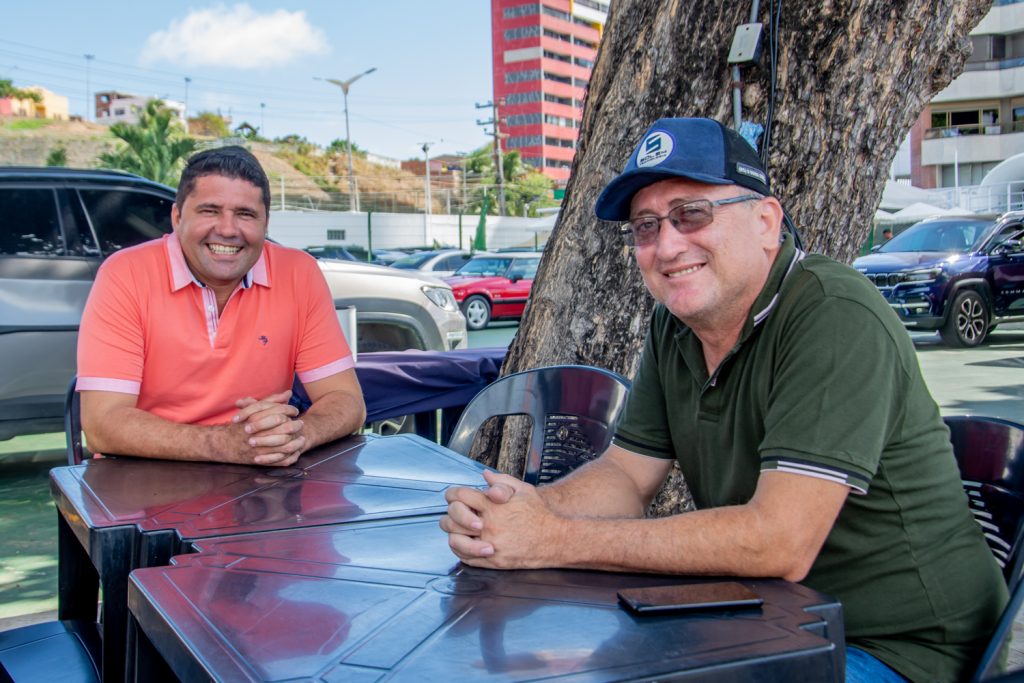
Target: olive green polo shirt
(824, 382)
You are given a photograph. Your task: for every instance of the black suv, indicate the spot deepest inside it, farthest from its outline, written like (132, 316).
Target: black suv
(960, 276)
(56, 227)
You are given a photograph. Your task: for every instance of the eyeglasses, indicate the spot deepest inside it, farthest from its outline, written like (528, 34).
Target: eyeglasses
(685, 218)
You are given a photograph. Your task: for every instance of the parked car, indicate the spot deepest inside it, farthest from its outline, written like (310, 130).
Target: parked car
(57, 225)
(332, 251)
(436, 263)
(960, 276)
(353, 252)
(492, 286)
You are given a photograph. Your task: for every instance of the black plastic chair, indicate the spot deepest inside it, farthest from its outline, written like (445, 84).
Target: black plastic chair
(73, 423)
(995, 665)
(53, 651)
(990, 454)
(573, 409)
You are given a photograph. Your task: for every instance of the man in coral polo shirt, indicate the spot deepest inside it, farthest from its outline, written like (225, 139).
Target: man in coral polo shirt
(189, 344)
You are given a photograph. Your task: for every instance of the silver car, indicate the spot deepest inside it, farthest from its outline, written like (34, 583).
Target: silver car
(57, 225)
(437, 263)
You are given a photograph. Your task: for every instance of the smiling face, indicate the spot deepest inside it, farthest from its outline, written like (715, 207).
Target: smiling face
(221, 225)
(708, 278)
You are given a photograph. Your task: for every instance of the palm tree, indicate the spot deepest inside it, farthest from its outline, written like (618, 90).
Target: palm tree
(155, 148)
(523, 185)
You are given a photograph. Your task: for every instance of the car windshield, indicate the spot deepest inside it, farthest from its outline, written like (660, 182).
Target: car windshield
(412, 262)
(952, 236)
(485, 267)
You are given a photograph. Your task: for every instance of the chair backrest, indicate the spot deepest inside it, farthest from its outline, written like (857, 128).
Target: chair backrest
(573, 409)
(990, 454)
(73, 423)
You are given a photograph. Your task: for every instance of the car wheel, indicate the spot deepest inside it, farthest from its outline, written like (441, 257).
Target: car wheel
(967, 323)
(477, 311)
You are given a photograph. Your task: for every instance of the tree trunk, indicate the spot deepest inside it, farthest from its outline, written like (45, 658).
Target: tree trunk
(852, 78)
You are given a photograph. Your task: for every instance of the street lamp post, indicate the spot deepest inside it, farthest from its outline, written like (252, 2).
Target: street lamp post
(88, 87)
(426, 207)
(344, 85)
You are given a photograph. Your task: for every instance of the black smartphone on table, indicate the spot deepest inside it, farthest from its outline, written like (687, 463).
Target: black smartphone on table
(690, 596)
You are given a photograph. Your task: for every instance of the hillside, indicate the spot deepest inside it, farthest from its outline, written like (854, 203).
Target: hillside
(309, 180)
(27, 142)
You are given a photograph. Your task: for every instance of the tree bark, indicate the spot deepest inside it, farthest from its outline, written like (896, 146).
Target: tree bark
(853, 75)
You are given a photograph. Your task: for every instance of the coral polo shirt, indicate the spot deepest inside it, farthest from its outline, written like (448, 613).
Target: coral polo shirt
(151, 329)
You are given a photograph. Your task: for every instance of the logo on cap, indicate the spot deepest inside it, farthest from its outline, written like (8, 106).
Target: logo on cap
(655, 148)
(751, 172)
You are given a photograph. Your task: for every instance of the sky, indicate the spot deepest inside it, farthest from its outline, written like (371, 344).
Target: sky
(432, 60)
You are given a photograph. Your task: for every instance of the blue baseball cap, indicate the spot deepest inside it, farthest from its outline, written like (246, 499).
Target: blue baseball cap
(702, 150)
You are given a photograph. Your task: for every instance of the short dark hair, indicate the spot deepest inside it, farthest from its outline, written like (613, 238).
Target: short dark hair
(231, 162)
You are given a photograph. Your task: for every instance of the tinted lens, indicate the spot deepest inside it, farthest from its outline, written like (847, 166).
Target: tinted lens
(691, 216)
(644, 229)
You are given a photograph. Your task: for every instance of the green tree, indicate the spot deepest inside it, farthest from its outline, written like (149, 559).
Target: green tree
(58, 156)
(7, 89)
(209, 123)
(530, 191)
(339, 147)
(155, 148)
(526, 189)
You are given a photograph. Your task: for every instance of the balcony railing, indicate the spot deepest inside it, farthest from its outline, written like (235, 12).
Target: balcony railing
(974, 129)
(994, 64)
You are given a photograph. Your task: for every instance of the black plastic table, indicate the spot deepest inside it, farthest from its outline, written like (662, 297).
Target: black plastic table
(116, 514)
(388, 601)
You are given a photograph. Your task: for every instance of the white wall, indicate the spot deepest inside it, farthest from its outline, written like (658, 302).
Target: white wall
(306, 228)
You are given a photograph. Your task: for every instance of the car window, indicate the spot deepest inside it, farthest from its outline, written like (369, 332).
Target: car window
(122, 218)
(28, 223)
(453, 262)
(524, 268)
(485, 267)
(1012, 231)
(957, 236)
(413, 261)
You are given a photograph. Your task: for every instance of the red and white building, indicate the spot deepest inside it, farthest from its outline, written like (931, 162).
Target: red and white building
(543, 53)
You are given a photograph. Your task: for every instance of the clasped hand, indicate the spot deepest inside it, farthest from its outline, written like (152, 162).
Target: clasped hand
(271, 429)
(505, 526)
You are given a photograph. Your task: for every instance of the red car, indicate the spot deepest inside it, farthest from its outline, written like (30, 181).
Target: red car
(493, 286)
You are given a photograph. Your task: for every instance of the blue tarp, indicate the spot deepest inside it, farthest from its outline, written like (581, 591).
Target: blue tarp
(407, 382)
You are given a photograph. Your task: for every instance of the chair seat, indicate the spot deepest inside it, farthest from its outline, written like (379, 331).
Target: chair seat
(53, 651)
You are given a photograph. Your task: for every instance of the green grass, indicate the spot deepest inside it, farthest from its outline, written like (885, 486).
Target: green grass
(28, 124)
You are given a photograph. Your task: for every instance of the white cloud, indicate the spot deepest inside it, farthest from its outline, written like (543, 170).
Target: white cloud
(237, 37)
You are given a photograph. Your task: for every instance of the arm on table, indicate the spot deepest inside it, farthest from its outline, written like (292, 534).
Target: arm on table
(779, 532)
(115, 426)
(265, 432)
(338, 408)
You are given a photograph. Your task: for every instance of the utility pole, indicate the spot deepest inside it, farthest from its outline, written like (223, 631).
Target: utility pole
(426, 208)
(263, 105)
(88, 87)
(498, 156)
(465, 158)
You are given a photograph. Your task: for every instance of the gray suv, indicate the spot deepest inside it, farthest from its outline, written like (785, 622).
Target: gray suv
(57, 225)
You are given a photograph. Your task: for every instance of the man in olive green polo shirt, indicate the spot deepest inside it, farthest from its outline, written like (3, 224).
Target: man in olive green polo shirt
(791, 396)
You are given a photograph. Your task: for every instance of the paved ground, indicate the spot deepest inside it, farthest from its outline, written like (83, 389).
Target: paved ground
(985, 381)
(28, 529)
